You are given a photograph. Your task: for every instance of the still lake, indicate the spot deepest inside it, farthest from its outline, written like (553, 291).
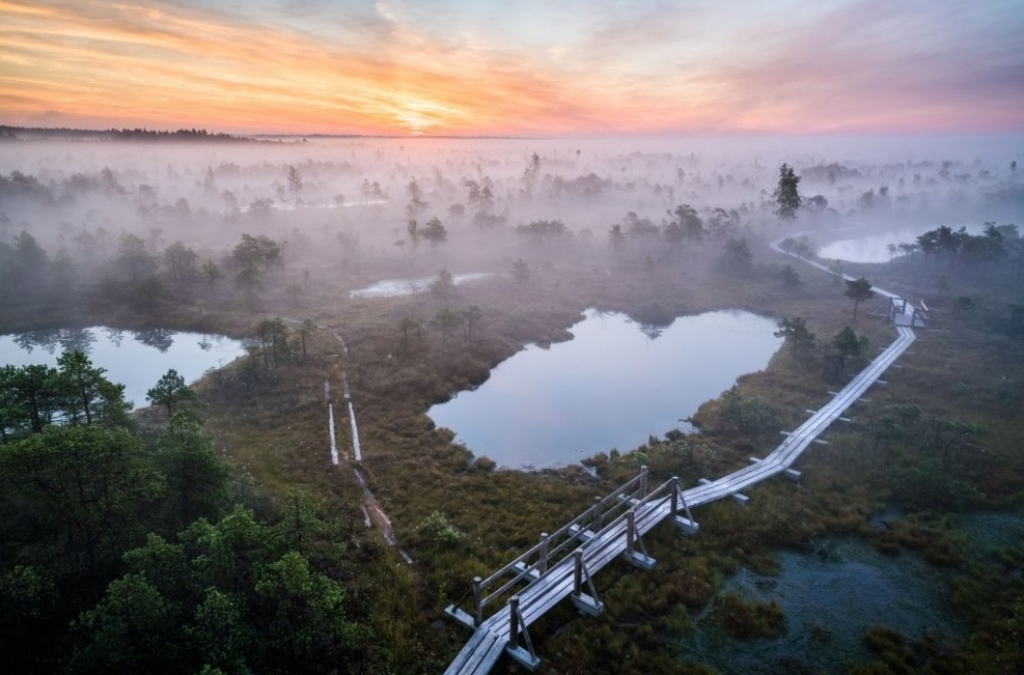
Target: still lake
(136, 359)
(611, 386)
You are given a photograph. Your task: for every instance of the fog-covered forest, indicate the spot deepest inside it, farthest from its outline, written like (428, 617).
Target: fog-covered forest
(213, 533)
(127, 223)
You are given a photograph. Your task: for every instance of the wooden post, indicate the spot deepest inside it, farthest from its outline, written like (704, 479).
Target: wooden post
(643, 481)
(524, 657)
(630, 532)
(675, 496)
(513, 621)
(597, 515)
(478, 610)
(542, 564)
(577, 585)
(587, 604)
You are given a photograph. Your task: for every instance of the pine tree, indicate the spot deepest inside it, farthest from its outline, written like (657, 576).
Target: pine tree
(786, 196)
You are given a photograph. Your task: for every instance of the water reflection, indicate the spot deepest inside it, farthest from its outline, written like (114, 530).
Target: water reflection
(53, 339)
(158, 338)
(136, 360)
(611, 386)
(114, 335)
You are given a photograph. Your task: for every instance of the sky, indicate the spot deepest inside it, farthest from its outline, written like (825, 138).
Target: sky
(523, 67)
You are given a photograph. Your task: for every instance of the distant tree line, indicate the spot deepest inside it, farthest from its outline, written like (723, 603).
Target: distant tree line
(137, 134)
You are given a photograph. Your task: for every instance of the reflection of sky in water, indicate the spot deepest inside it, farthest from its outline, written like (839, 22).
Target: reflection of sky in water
(394, 287)
(136, 359)
(609, 387)
(874, 248)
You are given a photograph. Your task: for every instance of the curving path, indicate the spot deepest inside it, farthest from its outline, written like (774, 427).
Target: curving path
(504, 631)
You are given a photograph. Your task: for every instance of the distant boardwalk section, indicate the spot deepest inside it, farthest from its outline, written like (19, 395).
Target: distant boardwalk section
(902, 313)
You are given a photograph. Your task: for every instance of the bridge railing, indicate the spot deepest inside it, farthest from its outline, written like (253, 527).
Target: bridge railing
(668, 491)
(534, 562)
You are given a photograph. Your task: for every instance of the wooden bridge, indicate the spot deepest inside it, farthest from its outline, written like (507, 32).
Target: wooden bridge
(562, 564)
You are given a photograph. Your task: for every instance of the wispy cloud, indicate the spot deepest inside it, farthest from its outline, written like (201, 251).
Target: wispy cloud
(456, 66)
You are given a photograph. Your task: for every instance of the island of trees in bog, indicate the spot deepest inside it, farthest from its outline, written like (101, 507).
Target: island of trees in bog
(214, 532)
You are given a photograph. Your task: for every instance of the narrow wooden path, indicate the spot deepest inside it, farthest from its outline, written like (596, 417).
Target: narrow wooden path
(635, 511)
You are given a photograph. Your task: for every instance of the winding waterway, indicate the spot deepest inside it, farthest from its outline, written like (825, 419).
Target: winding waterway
(612, 386)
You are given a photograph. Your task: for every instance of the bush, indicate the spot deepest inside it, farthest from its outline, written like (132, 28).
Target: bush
(437, 530)
(746, 620)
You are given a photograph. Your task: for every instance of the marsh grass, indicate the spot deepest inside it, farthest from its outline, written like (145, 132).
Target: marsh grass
(272, 424)
(416, 469)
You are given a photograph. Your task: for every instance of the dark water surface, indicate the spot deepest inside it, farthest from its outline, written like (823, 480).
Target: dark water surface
(831, 595)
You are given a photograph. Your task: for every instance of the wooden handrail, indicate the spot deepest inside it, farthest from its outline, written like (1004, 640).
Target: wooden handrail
(522, 567)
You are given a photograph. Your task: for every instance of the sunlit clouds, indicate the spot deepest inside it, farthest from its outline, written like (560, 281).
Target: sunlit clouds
(468, 68)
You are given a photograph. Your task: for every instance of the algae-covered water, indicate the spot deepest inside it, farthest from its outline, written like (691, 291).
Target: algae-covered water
(831, 594)
(994, 529)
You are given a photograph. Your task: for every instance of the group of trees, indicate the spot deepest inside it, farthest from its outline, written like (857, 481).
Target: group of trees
(844, 348)
(252, 259)
(447, 317)
(927, 455)
(735, 414)
(128, 270)
(121, 553)
(543, 231)
(75, 392)
(997, 243)
(684, 224)
(136, 134)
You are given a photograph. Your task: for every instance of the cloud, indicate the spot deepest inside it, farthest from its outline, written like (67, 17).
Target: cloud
(456, 66)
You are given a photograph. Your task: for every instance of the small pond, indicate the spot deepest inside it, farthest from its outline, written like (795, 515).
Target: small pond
(870, 249)
(874, 248)
(831, 595)
(612, 386)
(389, 288)
(136, 359)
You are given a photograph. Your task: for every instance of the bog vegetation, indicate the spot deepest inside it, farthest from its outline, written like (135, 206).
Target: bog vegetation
(212, 533)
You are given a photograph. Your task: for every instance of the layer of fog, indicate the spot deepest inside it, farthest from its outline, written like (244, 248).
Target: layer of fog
(341, 207)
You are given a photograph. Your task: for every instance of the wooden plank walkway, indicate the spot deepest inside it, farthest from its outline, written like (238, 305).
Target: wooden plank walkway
(501, 632)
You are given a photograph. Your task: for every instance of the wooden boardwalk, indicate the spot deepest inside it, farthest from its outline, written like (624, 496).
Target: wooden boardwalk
(614, 527)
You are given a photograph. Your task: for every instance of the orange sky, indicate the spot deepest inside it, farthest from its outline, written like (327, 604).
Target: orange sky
(530, 67)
